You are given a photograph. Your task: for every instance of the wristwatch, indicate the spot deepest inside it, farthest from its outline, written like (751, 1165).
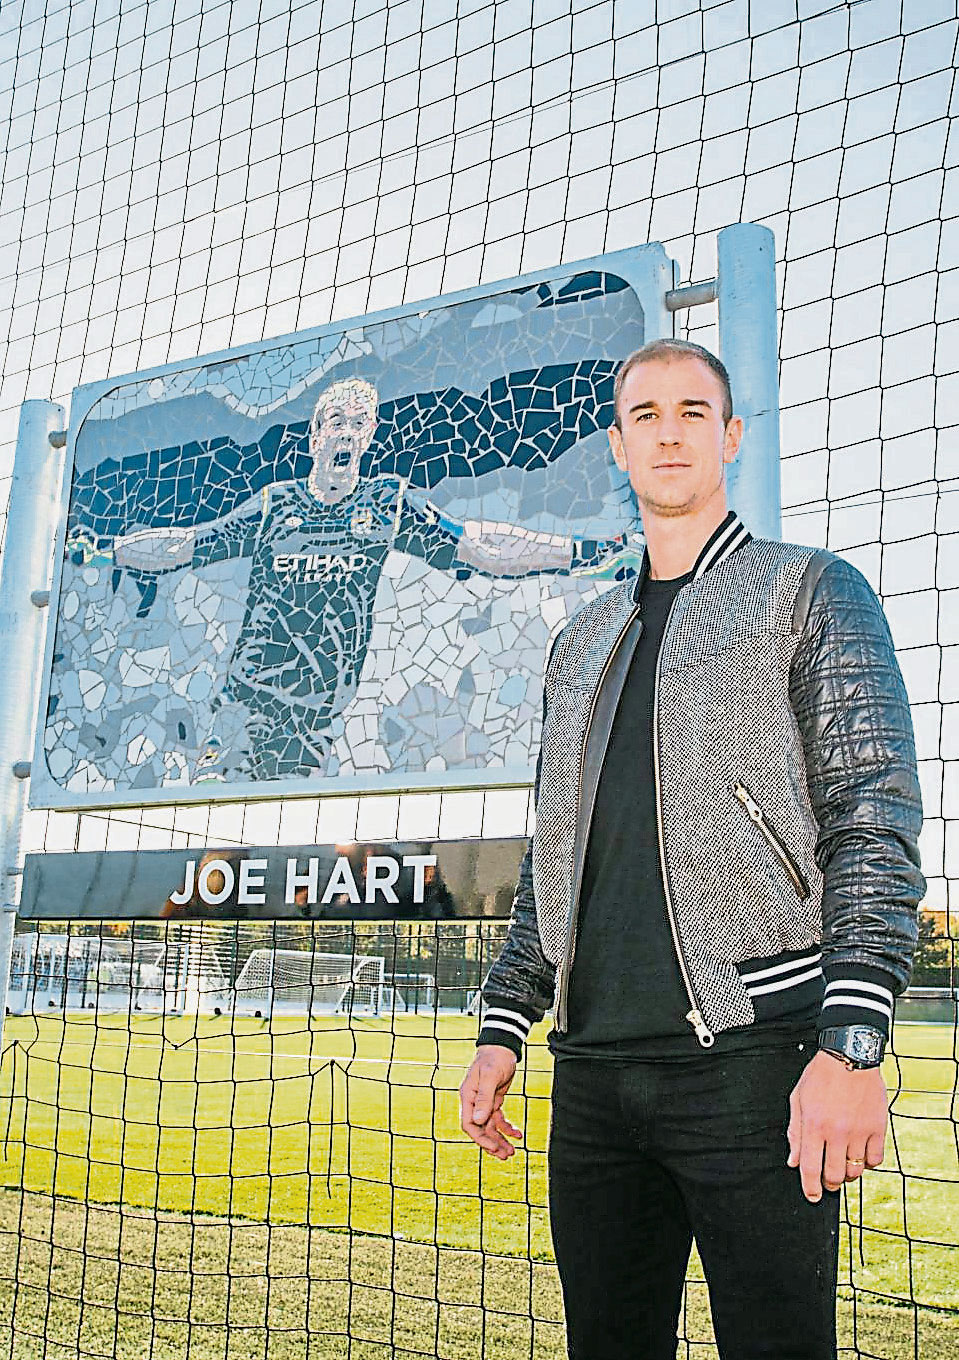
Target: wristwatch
(855, 1046)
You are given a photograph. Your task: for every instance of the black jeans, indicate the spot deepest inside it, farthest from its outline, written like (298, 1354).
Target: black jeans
(646, 1156)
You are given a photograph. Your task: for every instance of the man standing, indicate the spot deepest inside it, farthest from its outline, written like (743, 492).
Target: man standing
(719, 901)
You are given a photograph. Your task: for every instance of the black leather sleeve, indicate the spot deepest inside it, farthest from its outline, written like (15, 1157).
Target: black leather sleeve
(856, 728)
(519, 987)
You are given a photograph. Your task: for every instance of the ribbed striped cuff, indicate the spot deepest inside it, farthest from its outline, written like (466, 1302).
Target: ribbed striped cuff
(506, 1026)
(856, 996)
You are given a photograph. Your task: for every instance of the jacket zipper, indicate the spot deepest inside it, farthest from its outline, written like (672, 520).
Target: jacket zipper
(694, 1015)
(772, 839)
(560, 1014)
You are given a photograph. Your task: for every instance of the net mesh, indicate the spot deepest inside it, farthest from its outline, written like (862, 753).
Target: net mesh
(180, 177)
(290, 1180)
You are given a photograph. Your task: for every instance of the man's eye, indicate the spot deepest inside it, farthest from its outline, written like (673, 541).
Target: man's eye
(697, 415)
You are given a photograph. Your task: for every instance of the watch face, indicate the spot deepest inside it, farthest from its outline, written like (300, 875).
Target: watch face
(864, 1045)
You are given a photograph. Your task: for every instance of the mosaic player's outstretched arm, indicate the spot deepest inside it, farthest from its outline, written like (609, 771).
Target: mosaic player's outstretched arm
(170, 547)
(493, 547)
(148, 553)
(501, 549)
(531, 419)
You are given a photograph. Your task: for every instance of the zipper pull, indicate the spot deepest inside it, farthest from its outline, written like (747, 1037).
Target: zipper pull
(748, 802)
(703, 1033)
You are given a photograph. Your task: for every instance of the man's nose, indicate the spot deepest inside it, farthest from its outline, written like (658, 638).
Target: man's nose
(670, 431)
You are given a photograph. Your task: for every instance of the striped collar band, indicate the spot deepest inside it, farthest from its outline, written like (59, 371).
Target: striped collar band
(725, 539)
(722, 543)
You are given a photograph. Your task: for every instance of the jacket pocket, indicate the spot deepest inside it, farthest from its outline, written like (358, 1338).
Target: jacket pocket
(773, 839)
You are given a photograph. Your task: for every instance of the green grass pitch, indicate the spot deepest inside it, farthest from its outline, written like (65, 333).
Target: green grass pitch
(333, 1136)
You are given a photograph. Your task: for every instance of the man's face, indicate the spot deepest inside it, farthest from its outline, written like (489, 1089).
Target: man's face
(340, 434)
(673, 444)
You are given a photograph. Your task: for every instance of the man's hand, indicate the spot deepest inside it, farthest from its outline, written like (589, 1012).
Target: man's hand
(837, 1124)
(481, 1100)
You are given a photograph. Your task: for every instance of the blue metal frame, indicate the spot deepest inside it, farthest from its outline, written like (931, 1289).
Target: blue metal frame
(746, 293)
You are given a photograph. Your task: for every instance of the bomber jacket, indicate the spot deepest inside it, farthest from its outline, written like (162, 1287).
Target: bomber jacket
(786, 791)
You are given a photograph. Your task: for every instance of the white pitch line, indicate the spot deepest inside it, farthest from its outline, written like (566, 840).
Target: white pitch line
(338, 1058)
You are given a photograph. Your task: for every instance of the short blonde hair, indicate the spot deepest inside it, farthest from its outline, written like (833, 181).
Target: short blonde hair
(345, 389)
(663, 351)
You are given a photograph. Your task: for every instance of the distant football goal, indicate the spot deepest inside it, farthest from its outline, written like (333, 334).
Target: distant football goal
(194, 971)
(300, 982)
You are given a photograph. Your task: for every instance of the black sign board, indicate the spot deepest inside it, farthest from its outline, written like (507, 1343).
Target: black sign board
(410, 880)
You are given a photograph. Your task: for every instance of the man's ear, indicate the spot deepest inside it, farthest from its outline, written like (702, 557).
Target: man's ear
(616, 447)
(732, 438)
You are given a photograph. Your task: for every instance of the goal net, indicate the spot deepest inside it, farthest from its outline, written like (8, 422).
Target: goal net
(301, 982)
(413, 992)
(181, 973)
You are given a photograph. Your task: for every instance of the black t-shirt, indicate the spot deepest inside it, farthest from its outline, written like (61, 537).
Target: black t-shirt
(627, 997)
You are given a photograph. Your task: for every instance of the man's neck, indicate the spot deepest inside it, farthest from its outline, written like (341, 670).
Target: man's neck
(674, 542)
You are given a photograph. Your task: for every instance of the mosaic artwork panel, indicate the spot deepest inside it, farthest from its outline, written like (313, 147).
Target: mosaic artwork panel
(341, 556)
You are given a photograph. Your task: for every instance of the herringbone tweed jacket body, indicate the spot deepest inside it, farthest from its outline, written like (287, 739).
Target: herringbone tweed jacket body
(786, 786)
